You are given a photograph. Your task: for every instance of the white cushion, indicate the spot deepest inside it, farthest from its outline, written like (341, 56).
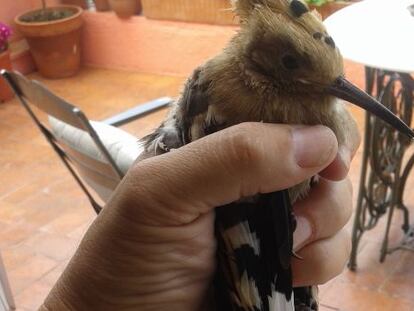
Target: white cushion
(122, 146)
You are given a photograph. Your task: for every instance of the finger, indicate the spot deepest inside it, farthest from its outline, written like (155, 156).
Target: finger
(339, 168)
(237, 162)
(322, 260)
(324, 212)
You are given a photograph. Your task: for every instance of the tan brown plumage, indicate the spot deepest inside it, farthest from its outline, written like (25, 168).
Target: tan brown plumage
(281, 67)
(249, 80)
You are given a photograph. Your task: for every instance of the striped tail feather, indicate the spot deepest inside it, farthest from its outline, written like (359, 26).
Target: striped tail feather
(252, 274)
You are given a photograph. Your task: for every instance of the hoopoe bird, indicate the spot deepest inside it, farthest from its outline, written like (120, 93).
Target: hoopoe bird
(280, 67)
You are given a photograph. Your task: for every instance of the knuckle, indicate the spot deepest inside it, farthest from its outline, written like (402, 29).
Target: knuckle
(242, 146)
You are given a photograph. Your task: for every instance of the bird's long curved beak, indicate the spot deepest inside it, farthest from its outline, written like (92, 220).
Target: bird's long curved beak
(344, 89)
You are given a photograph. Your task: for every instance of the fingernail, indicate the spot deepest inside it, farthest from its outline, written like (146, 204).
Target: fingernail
(302, 233)
(313, 146)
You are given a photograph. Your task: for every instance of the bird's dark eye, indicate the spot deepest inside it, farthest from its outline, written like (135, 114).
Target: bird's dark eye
(290, 62)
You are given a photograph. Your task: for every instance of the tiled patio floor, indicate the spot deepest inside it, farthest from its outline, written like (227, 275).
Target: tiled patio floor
(43, 214)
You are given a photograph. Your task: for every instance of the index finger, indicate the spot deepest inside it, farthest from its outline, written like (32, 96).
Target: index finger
(240, 161)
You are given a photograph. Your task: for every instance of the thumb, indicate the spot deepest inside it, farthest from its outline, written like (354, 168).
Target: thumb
(240, 161)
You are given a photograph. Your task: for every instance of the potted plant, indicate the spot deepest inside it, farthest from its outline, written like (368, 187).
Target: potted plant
(328, 7)
(126, 8)
(53, 34)
(5, 63)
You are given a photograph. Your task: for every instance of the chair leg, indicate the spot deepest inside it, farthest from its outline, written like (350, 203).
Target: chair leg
(5, 291)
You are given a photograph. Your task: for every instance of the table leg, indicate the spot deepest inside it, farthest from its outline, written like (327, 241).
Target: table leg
(359, 220)
(382, 184)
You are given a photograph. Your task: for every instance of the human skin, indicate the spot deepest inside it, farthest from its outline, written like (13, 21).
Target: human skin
(153, 245)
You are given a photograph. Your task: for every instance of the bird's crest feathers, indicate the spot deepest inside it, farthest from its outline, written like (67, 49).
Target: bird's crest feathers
(293, 7)
(286, 42)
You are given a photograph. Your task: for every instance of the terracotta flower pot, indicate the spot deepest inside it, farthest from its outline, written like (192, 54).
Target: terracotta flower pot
(6, 92)
(102, 5)
(198, 11)
(55, 45)
(126, 8)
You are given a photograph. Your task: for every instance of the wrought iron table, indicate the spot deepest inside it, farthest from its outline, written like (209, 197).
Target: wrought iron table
(379, 34)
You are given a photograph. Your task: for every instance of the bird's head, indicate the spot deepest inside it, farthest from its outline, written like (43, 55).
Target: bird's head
(284, 44)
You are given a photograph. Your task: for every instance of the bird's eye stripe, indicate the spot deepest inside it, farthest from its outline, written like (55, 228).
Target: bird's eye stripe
(330, 41)
(290, 62)
(317, 35)
(298, 8)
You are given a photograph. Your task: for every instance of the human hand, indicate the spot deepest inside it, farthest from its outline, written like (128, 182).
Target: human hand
(320, 216)
(153, 246)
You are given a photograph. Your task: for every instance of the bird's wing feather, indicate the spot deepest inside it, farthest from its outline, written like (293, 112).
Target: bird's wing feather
(254, 238)
(249, 254)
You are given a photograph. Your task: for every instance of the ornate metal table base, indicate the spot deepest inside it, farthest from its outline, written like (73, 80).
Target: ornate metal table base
(383, 173)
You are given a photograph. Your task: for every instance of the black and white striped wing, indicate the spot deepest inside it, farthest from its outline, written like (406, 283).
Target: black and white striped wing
(254, 251)
(254, 239)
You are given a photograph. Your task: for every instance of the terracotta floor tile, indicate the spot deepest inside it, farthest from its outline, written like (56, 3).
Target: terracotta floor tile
(52, 246)
(370, 272)
(31, 271)
(13, 114)
(17, 256)
(79, 232)
(400, 287)
(10, 213)
(26, 191)
(33, 296)
(349, 297)
(45, 207)
(401, 282)
(52, 277)
(324, 288)
(68, 222)
(17, 176)
(11, 235)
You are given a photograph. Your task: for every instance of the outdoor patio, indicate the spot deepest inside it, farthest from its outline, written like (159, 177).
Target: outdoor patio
(44, 214)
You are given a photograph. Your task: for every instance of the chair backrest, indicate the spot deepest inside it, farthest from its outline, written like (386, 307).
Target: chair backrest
(98, 171)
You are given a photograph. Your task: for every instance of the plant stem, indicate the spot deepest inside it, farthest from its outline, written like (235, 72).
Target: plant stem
(43, 12)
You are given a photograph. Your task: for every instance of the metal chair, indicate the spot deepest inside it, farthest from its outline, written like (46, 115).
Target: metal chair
(85, 147)
(6, 298)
